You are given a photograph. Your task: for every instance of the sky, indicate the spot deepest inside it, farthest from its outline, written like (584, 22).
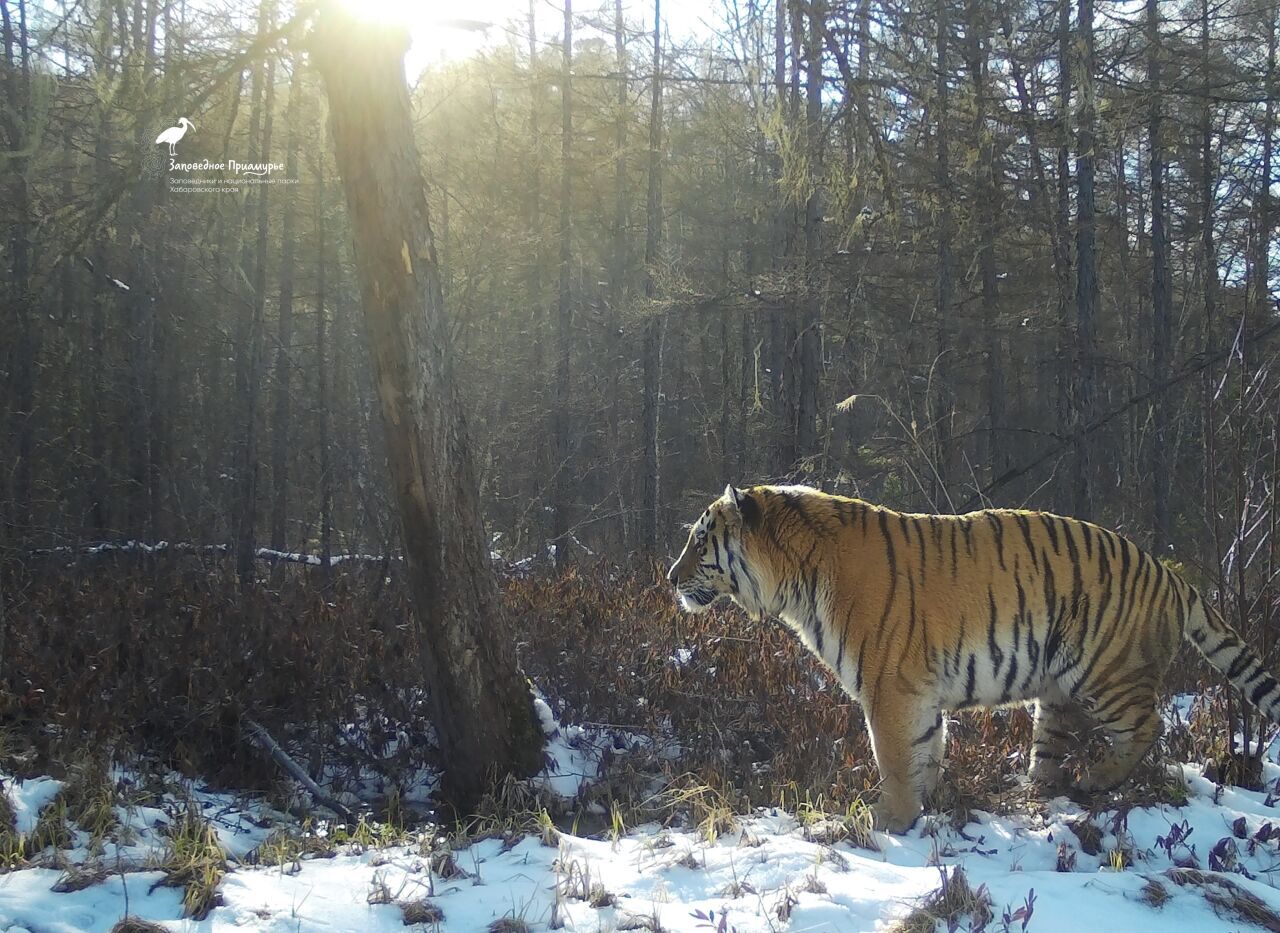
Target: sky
(443, 31)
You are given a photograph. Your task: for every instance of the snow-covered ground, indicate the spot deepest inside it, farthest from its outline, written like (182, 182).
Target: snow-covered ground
(770, 872)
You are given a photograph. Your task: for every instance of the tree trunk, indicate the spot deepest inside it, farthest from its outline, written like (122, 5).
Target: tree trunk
(1086, 269)
(562, 474)
(480, 706)
(22, 407)
(1208, 267)
(1260, 273)
(651, 352)
(322, 383)
(249, 359)
(774, 365)
(988, 207)
(618, 276)
(810, 368)
(943, 409)
(1161, 293)
(537, 307)
(1067, 354)
(284, 334)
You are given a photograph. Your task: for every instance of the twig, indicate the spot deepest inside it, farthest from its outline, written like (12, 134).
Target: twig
(260, 737)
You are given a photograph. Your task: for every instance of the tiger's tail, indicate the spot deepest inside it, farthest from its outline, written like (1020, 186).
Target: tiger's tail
(1223, 647)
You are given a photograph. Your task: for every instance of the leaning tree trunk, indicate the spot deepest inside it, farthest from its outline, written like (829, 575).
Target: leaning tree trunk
(479, 702)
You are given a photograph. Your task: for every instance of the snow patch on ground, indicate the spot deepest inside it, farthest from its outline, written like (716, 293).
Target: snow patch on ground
(767, 868)
(769, 873)
(29, 798)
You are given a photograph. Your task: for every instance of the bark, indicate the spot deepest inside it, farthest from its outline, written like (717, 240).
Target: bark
(481, 708)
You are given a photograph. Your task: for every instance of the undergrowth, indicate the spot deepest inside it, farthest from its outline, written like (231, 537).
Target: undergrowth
(710, 715)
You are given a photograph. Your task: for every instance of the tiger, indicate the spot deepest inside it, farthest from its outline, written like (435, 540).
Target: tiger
(919, 615)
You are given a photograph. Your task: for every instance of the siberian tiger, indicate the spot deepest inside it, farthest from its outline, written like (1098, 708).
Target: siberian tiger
(919, 614)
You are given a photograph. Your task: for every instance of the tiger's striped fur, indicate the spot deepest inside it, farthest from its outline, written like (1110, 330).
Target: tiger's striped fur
(919, 614)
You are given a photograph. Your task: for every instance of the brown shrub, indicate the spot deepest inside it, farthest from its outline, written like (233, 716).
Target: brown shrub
(164, 653)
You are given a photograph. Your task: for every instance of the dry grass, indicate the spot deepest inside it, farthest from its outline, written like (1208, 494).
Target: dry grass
(290, 848)
(853, 825)
(194, 861)
(12, 846)
(422, 911)
(53, 831)
(509, 925)
(90, 797)
(136, 925)
(79, 877)
(1228, 899)
(953, 900)
(133, 651)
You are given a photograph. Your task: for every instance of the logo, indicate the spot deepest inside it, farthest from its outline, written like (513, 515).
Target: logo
(203, 175)
(173, 135)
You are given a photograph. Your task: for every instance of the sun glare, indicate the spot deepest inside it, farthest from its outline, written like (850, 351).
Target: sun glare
(436, 31)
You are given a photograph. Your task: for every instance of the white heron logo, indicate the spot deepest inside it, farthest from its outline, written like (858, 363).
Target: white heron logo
(175, 133)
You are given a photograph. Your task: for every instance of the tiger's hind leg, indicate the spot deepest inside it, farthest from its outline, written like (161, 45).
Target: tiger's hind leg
(932, 753)
(1061, 727)
(1129, 714)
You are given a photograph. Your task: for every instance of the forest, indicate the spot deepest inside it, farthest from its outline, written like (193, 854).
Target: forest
(344, 390)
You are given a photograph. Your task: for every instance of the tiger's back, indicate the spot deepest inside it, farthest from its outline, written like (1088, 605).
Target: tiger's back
(918, 614)
(994, 605)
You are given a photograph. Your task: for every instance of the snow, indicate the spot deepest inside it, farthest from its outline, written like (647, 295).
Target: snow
(574, 754)
(678, 876)
(770, 872)
(29, 798)
(683, 879)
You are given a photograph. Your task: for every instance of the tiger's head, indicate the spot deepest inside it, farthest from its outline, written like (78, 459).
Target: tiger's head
(714, 562)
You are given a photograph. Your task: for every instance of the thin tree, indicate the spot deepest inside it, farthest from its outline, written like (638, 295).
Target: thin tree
(810, 349)
(651, 351)
(1161, 287)
(1086, 267)
(281, 415)
(560, 452)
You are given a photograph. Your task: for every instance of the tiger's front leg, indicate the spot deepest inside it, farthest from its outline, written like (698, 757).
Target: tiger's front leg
(906, 736)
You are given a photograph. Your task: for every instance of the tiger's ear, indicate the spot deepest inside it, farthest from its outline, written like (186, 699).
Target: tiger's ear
(741, 504)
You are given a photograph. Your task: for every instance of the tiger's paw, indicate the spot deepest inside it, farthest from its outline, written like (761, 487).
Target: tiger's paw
(895, 819)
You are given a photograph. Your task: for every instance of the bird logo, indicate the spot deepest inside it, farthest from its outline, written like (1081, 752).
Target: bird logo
(175, 133)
